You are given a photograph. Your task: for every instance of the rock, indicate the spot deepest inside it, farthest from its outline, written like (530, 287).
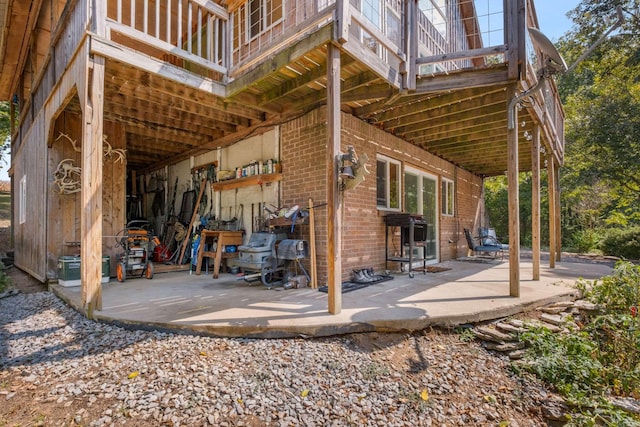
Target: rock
(508, 328)
(552, 310)
(491, 332)
(555, 411)
(511, 346)
(552, 319)
(515, 322)
(627, 404)
(587, 306)
(517, 354)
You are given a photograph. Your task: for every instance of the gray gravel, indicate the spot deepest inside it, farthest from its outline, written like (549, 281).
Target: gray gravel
(101, 375)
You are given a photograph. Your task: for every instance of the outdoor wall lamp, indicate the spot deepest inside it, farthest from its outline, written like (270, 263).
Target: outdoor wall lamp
(351, 169)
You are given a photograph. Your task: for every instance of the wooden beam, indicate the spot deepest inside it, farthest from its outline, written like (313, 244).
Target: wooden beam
(466, 126)
(424, 127)
(408, 105)
(281, 59)
(535, 202)
(464, 54)
(334, 207)
(411, 44)
(358, 51)
(513, 203)
(109, 49)
(462, 80)
(342, 20)
(152, 86)
(91, 193)
(203, 108)
(551, 184)
(557, 216)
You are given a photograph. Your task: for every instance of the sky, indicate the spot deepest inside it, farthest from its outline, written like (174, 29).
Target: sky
(552, 17)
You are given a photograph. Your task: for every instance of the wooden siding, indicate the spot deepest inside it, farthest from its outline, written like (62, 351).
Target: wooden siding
(65, 211)
(30, 235)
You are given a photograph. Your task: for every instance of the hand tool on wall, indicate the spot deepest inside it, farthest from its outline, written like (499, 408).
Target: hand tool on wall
(203, 184)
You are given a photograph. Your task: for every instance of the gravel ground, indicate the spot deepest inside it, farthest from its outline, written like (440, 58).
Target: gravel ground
(58, 368)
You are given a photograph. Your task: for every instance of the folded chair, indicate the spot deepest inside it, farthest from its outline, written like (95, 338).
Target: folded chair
(484, 245)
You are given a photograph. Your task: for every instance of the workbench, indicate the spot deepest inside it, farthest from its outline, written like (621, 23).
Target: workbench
(222, 238)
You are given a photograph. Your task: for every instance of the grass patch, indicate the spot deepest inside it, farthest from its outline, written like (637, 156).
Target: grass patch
(5, 205)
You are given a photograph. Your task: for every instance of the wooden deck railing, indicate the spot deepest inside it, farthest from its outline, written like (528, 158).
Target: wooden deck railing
(190, 33)
(395, 38)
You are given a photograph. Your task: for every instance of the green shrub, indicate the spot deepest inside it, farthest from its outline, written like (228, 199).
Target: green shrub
(617, 292)
(4, 279)
(600, 359)
(585, 240)
(622, 243)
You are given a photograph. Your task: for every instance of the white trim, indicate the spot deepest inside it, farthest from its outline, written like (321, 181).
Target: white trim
(448, 182)
(22, 200)
(389, 160)
(419, 173)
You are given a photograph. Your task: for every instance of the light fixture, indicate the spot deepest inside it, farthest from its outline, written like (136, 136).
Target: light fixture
(351, 169)
(347, 160)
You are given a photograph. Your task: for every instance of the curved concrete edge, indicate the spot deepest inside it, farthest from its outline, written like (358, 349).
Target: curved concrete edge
(326, 330)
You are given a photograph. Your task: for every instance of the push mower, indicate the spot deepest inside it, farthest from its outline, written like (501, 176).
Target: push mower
(135, 258)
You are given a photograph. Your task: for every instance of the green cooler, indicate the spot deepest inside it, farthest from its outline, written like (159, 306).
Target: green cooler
(69, 270)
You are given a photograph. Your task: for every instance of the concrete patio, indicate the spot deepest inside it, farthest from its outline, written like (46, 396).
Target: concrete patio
(470, 291)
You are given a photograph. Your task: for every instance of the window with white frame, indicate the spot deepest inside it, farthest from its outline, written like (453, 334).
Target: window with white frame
(387, 183)
(263, 14)
(253, 18)
(23, 200)
(448, 193)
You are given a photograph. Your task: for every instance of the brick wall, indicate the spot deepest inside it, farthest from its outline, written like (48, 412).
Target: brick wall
(304, 158)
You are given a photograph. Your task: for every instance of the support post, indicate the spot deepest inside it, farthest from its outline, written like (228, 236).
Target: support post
(558, 215)
(535, 202)
(551, 183)
(92, 103)
(334, 208)
(514, 209)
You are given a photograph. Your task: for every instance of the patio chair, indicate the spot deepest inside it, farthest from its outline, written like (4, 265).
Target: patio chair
(488, 237)
(485, 246)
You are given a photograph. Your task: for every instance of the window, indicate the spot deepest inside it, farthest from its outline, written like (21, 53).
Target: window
(23, 200)
(436, 13)
(387, 183)
(448, 193)
(263, 14)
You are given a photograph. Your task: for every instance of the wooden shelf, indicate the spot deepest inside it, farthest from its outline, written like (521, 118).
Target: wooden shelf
(246, 181)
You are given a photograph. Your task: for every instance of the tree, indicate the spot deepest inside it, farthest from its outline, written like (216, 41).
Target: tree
(601, 176)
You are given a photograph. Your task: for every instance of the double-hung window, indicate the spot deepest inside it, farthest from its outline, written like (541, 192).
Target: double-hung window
(387, 183)
(448, 193)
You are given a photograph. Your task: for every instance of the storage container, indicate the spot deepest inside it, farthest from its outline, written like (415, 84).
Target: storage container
(69, 270)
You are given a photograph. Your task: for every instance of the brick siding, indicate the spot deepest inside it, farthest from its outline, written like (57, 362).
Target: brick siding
(303, 143)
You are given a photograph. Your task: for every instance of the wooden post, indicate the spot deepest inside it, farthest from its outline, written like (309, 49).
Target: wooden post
(334, 208)
(411, 43)
(312, 244)
(558, 215)
(343, 17)
(551, 183)
(535, 202)
(514, 209)
(92, 103)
